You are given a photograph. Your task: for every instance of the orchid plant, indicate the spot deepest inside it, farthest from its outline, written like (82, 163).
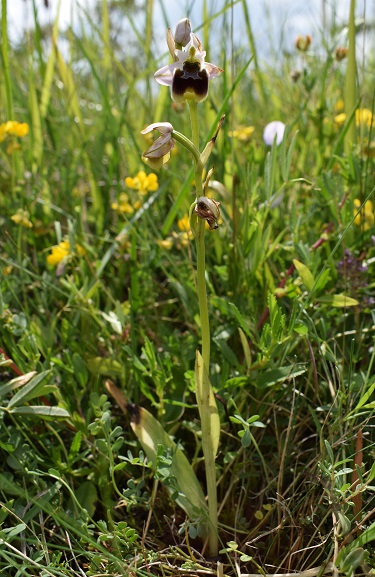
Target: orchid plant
(189, 76)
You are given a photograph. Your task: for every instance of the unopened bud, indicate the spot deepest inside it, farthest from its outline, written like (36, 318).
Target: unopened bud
(295, 75)
(341, 53)
(302, 43)
(182, 32)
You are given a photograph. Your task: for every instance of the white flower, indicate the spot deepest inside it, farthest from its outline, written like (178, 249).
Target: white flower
(274, 129)
(189, 74)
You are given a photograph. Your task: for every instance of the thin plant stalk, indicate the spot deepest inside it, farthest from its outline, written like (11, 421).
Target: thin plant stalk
(203, 384)
(8, 85)
(350, 82)
(199, 239)
(5, 59)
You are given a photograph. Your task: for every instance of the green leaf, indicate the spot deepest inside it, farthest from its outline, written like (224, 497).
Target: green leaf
(338, 301)
(246, 348)
(300, 328)
(274, 376)
(105, 366)
(329, 451)
(151, 434)
(210, 420)
(29, 391)
(15, 383)
(305, 274)
(41, 411)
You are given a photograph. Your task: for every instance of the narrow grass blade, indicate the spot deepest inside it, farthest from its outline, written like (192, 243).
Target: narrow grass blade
(350, 81)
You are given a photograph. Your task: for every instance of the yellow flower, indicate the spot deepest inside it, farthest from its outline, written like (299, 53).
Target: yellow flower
(7, 270)
(366, 216)
(62, 251)
(363, 117)
(165, 243)
(123, 205)
(59, 253)
(143, 183)
(182, 239)
(20, 129)
(14, 128)
(21, 217)
(339, 106)
(184, 223)
(242, 133)
(340, 118)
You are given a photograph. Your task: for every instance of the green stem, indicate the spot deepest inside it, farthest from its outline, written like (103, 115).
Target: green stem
(5, 58)
(8, 84)
(182, 139)
(199, 240)
(350, 82)
(208, 451)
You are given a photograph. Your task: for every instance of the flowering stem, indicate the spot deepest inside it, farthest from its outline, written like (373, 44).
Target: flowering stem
(188, 144)
(199, 225)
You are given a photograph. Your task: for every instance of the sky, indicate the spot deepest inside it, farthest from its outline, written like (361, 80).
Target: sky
(287, 17)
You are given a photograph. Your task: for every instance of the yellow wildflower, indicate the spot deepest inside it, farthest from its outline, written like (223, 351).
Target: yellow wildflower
(7, 270)
(366, 217)
(19, 129)
(62, 251)
(339, 106)
(242, 133)
(363, 117)
(143, 183)
(59, 253)
(123, 205)
(340, 118)
(21, 217)
(13, 128)
(182, 239)
(165, 243)
(184, 223)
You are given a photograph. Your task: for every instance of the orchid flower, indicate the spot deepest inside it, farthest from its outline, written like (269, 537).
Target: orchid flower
(159, 152)
(189, 74)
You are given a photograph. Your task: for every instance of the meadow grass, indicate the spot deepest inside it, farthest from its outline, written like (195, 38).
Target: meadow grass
(100, 320)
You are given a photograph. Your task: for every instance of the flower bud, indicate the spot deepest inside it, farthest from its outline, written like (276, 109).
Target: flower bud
(302, 43)
(295, 75)
(208, 209)
(340, 53)
(182, 32)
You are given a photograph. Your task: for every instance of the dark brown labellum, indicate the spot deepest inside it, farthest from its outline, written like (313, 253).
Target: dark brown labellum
(190, 80)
